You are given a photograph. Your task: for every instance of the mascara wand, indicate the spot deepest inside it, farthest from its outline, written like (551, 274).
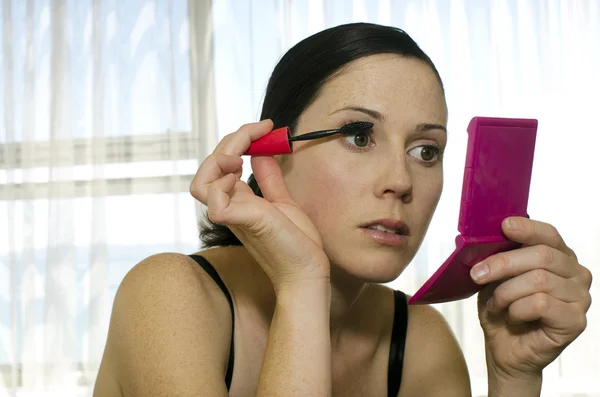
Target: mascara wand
(279, 141)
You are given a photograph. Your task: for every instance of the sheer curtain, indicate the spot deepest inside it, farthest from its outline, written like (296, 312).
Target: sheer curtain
(107, 107)
(96, 153)
(504, 58)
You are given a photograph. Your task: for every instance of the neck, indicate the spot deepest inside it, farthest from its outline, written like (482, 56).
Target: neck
(350, 299)
(348, 305)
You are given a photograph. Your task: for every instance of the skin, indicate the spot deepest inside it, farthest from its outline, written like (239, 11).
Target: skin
(305, 281)
(386, 179)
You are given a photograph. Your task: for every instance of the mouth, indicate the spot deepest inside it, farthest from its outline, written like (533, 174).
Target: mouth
(388, 225)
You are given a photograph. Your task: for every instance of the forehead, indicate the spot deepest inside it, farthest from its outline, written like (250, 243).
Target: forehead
(389, 84)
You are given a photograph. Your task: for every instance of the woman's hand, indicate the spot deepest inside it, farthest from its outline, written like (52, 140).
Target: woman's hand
(536, 302)
(280, 237)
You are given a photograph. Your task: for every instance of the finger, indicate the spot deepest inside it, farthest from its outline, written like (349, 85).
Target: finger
(241, 189)
(228, 207)
(212, 168)
(513, 263)
(532, 232)
(218, 198)
(532, 282)
(269, 177)
(238, 142)
(550, 311)
(486, 293)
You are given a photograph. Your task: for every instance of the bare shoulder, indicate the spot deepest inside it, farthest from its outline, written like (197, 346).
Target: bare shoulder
(166, 278)
(434, 364)
(169, 331)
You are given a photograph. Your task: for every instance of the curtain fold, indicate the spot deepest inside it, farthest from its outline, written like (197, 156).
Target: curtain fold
(202, 71)
(96, 155)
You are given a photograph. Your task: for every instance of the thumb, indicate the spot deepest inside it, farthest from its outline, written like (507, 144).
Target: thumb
(269, 177)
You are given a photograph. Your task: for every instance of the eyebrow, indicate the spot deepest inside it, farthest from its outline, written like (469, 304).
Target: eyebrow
(422, 127)
(370, 112)
(429, 126)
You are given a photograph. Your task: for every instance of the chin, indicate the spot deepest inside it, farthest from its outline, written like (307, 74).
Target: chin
(371, 267)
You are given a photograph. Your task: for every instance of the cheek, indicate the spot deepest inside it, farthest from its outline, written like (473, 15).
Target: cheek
(431, 185)
(427, 192)
(321, 186)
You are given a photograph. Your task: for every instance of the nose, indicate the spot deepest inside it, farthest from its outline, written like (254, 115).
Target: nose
(396, 180)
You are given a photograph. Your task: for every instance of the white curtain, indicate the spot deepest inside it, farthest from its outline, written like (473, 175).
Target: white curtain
(96, 154)
(503, 58)
(107, 107)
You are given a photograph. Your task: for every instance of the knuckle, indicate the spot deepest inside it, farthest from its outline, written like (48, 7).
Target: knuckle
(588, 277)
(554, 236)
(499, 297)
(541, 302)
(214, 157)
(208, 162)
(244, 130)
(580, 323)
(539, 278)
(228, 137)
(245, 126)
(587, 301)
(223, 143)
(502, 263)
(197, 192)
(193, 189)
(545, 254)
(221, 157)
(528, 226)
(214, 215)
(572, 254)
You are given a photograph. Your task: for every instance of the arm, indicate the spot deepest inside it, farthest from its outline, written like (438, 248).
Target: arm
(167, 336)
(169, 332)
(289, 249)
(298, 355)
(433, 363)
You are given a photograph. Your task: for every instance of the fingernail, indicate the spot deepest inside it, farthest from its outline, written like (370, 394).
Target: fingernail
(490, 304)
(480, 271)
(512, 224)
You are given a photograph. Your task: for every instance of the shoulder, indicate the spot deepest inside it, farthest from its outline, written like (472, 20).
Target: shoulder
(166, 281)
(160, 276)
(433, 363)
(168, 314)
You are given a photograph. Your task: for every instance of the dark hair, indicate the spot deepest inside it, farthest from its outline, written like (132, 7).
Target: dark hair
(299, 76)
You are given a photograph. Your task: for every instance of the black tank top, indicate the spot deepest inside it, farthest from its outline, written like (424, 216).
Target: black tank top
(398, 339)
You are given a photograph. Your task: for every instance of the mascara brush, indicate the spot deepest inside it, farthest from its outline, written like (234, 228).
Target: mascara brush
(280, 141)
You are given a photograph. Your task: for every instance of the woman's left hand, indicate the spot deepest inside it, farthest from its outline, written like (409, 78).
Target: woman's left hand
(535, 302)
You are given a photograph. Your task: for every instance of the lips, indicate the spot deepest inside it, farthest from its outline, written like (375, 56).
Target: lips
(389, 225)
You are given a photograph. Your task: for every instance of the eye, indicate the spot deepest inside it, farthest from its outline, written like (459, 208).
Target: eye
(426, 153)
(359, 139)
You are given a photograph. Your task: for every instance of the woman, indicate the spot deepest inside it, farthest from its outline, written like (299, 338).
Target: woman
(287, 301)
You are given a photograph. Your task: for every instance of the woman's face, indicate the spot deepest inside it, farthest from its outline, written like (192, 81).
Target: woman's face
(393, 172)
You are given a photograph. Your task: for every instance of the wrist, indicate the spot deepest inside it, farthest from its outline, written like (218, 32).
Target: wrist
(313, 279)
(308, 290)
(502, 385)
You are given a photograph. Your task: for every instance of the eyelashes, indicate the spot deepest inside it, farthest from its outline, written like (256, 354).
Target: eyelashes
(359, 140)
(362, 141)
